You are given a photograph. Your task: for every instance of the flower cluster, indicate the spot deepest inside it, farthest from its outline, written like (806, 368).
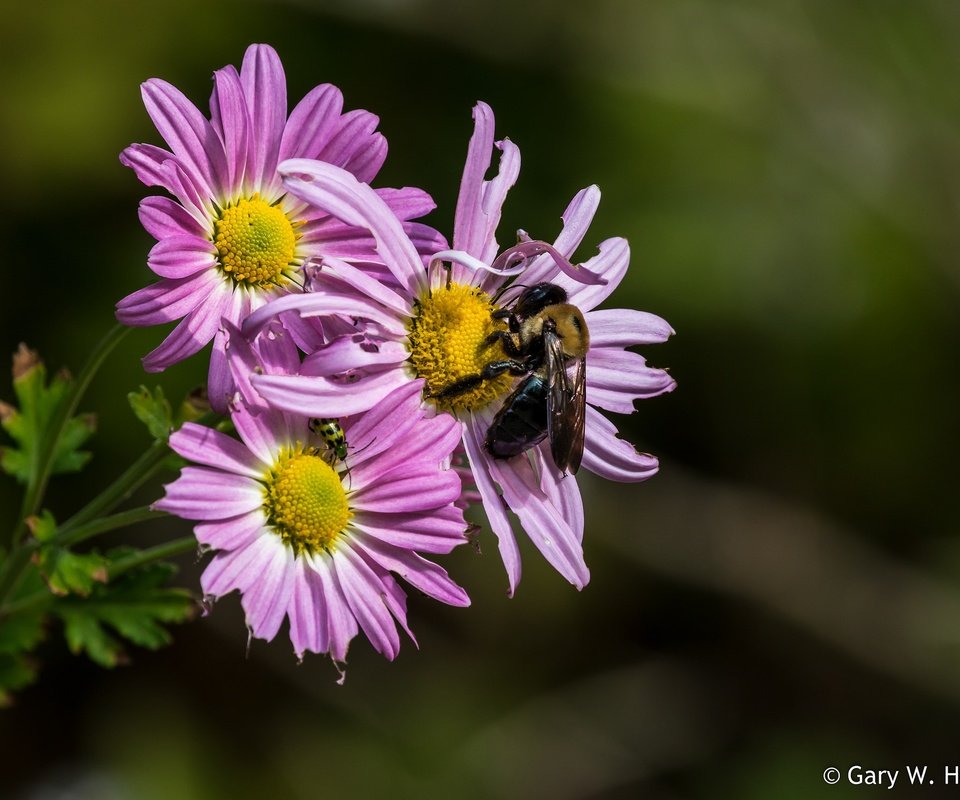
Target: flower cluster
(379, 379)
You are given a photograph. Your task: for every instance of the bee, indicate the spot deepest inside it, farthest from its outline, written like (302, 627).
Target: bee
(333, 437)
(545, 335)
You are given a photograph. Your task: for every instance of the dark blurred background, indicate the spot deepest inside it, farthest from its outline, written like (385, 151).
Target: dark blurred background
(783, 597)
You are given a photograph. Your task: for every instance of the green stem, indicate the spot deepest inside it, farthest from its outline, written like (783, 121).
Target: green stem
(158, 553)
(50, 439)
(138, 473)
(70, 534)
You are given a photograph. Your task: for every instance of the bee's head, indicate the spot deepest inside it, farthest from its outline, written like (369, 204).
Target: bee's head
(536, 298)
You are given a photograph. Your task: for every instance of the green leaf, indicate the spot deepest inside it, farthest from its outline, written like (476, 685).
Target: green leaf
(64, 571)
(19, 634)
(16, 671)
(29, 422)
(134, 608)
(153, 410)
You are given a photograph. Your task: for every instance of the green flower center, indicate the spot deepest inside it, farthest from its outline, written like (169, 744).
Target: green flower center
(306, 503)
(255, 242)
(448, 341)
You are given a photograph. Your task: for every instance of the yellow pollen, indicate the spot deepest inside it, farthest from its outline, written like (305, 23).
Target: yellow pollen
(448, 341)
(305, 502)
(255, 242)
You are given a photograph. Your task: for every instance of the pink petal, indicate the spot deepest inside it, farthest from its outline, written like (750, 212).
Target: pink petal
(418, 488)
(238, 569)
(162, 217)
(407, 203)
(339, 193)
(230, 118)
(493, 504)
(479, 203)
(311, 123)
(366, 163)
(363, 591)
(421, 574)
(211, 448)
(265, 88)
(193, 332)
(431, 441)
(146, 161)
(611, 262)
(367, 286)
(355, 352)
(562, 490)
(341, 623)
(576, 222)
(323, 397)
(615, 378)
(354, 135)
(204, 493)
(182, 256)
(190, 136)
(266, 599)
(438, 531)
(623, 327)
(551, 534)
(611, 457)
(166, 300)
(233, 533)
(325, 304)
(307, 612)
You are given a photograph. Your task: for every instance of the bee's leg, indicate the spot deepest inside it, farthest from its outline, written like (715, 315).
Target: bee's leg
(510, 317)
(492, 370)
(507, 341)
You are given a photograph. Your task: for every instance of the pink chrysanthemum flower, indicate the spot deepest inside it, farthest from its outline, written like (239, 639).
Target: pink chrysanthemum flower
(305, 536)
(434, 328)
(233, 237)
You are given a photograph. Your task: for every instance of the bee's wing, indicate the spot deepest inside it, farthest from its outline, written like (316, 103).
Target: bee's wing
(566, 407)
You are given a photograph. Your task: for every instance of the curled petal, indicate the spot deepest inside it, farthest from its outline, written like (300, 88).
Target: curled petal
(315, 304)
(339, 193)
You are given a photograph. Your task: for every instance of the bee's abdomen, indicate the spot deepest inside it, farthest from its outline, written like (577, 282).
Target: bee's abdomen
(521, 422)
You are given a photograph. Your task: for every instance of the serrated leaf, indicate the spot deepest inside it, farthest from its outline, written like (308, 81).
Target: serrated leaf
(21, 632)
(31, 421)
(15, 672)
(153, 410)
(64, 571)
(134, 607)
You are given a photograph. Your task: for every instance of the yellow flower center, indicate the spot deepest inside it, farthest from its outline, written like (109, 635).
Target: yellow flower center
(255, 242)
(448, 341)
(306, 503)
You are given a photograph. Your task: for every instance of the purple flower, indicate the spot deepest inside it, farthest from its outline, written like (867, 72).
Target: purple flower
(233, 238)
(305, 536)
(433, 326)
